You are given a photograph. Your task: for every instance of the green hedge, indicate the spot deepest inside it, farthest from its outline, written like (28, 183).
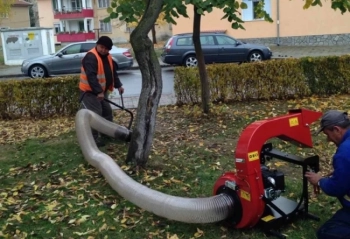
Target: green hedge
(39, 98)
(274, 79)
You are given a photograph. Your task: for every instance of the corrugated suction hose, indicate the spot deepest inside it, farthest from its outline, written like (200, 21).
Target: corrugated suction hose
(190, 210)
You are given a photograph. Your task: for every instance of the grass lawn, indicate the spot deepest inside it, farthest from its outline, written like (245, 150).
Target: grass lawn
(49, 191)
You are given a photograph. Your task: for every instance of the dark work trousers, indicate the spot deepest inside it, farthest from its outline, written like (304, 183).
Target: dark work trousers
(337, 227)
(101, 108)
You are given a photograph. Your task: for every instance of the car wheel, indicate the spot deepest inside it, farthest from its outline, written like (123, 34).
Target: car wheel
(255, 56)
(37, 71)
(190, 61)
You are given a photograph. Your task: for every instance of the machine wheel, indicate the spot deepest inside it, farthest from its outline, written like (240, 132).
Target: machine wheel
(190, 61)
(37, 71)
(255, 56)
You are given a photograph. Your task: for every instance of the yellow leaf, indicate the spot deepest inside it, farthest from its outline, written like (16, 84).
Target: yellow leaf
(175, 180)
(166, 181)
(51, 206)
(3, 194)
(100, 213)
(199, 233)
(83, 219)
(80, 197)
(84, 233)
(278, 164)
(173, 237)
(18, 217)
(71, 221)
(104, 227)
(114, 206)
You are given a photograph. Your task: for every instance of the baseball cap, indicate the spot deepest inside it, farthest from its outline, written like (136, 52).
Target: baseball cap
(333, 118)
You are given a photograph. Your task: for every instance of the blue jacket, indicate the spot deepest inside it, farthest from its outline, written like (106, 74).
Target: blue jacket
(338, 185)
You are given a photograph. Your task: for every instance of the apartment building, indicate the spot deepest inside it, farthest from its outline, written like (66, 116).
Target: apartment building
(82, 20)
(292, 24)
(18, 17)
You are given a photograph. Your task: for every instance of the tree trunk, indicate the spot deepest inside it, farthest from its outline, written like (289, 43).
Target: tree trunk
(154, 37)
(143, 131)
(203, 75)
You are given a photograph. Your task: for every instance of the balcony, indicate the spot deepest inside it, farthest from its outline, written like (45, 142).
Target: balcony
(74, 14)
(75, 37)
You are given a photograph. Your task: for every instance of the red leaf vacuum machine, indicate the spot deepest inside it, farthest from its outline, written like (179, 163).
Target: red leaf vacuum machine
(252, 195)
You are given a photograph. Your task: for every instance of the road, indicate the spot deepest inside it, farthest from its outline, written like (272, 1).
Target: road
(132, 81)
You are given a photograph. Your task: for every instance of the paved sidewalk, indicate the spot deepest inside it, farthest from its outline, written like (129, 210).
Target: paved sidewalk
(312, 51)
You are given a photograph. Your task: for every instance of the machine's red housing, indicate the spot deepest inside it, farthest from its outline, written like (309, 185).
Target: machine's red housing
(292, 127)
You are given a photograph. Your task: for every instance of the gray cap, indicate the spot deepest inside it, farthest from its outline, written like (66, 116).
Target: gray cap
(333, 118)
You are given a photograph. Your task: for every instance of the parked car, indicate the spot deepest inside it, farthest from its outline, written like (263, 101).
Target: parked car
(68, 60)
(217, 48)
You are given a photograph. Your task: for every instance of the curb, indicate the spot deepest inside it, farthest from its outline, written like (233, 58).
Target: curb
(13, 76)
(22, 75)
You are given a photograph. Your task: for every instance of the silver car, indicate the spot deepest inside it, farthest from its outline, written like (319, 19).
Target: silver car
(68, 60)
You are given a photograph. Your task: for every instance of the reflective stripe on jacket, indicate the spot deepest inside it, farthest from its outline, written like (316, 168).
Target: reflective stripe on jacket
(101, 77)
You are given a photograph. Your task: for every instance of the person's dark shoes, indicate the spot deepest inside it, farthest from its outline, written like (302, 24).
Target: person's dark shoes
(99, 142)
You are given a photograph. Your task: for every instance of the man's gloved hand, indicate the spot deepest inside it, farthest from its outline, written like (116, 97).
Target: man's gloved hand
(121, 90)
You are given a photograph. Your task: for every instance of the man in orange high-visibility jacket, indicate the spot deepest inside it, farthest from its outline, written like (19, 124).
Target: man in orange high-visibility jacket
(98, 76)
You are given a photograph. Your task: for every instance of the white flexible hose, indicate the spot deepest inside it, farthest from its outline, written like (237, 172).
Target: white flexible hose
(190, 210)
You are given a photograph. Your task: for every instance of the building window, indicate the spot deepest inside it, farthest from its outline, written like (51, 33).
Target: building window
(76, 5)
(55, 6)
(89, 25)
(249, 13)
(57, 28)
(103, 3)
(105, 26)
(81, 26)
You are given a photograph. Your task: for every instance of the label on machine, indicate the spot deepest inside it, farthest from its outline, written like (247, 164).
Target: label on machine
(245, 195)
(252, 156)
(293, 122)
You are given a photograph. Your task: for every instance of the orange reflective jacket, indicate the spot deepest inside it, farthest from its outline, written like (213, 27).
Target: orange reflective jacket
(84, 84)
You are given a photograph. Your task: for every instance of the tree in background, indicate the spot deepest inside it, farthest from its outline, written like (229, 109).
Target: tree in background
(160, 21)
(146, 12)
(231, 10)
(5, 8)
(137, 14)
